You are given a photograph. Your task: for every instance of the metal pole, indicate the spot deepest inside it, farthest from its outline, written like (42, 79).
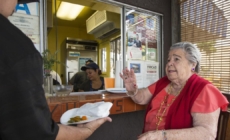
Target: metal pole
(123, 38)
(43, 25)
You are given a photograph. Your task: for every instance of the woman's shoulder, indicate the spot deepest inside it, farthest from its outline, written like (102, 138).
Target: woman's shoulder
(209, 99)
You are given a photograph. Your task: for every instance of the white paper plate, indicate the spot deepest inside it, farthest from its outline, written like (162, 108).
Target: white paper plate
(116, 90)
(102, 90)
(87, 93)
(71, 113)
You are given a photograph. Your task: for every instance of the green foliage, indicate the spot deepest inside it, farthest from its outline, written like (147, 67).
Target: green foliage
(49, 60)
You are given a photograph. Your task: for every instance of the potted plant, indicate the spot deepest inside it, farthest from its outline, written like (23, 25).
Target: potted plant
(49, 60)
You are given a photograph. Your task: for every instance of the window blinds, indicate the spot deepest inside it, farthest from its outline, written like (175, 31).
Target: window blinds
(205, 23)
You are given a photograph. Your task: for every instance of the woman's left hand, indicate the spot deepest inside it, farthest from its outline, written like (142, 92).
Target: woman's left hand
(129, 79)
(151, 135)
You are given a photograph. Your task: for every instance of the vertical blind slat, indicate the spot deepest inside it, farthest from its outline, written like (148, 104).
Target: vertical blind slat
(205, 23)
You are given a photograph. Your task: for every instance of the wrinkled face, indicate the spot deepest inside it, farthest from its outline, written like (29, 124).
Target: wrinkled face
(92, 74)
(178, 67)
(7, 7)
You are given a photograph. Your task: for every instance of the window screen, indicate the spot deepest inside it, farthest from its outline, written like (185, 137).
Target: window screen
(205, 23)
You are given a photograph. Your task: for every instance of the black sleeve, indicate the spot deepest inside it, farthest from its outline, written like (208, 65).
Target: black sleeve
(78, 81)
(24, 110)
(55, 82)
(71, 81)
(103, 82)
(85, 86)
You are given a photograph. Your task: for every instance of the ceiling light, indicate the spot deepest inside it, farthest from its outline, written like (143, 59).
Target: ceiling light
(69, 11)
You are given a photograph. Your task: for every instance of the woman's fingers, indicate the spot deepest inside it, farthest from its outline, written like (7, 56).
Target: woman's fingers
(121, 75)
(131, 74)
(129, 78)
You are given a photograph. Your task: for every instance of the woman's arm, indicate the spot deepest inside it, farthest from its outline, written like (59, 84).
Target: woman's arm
(142, 96)
(205, 128)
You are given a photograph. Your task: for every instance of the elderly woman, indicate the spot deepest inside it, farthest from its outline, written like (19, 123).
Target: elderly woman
(94, 82)
(182, 105)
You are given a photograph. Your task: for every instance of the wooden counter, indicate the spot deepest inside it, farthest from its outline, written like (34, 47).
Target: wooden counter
(121, 103)
(127, 116)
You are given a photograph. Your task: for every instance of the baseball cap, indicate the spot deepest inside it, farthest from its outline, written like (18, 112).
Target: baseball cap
(90, 66)
(91, 61)
(26, 1)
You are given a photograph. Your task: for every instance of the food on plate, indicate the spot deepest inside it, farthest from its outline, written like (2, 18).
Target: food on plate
(77, 119)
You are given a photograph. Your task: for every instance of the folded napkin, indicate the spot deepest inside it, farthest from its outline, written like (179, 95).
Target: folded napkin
(98, 109)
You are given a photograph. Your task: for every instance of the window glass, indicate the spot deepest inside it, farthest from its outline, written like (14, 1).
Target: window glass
(142, 36)
(103, 59)
(115, 54)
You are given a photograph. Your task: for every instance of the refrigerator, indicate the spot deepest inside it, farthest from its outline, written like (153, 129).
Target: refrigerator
(78, 52)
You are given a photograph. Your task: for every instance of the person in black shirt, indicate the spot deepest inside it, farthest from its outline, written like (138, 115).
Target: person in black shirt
(79, 78)
(94, 82)
(25, 114)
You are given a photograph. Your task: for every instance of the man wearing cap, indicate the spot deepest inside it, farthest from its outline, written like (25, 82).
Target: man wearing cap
(95, 81)
(79, 78)
(25, 114)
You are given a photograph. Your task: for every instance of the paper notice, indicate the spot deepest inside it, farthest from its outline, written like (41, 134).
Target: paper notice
(137, 67)
(134, 53)
(151, 74)
(146, 72)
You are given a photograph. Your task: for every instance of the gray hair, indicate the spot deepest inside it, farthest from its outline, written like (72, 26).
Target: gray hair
(192, 53)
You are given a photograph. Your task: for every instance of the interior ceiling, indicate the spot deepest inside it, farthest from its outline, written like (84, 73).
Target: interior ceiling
(91, 6)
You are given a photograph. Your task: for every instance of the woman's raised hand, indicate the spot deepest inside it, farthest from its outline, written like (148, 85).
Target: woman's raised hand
(129, 79)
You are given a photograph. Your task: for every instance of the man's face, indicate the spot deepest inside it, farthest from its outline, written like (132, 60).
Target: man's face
(7, 7)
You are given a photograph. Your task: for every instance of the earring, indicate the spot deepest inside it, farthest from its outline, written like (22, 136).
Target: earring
(193, 69)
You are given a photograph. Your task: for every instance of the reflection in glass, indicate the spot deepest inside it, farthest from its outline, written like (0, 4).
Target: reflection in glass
(142, 36)
(115, 54)
(103, 59)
